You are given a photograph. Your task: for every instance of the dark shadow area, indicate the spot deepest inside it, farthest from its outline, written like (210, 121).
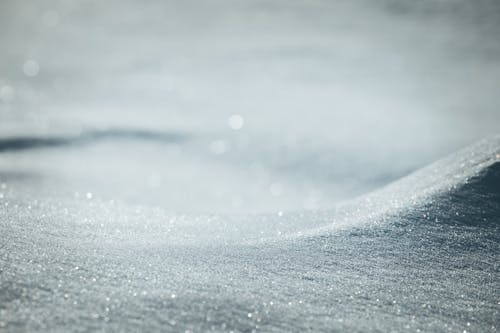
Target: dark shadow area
(19, 175)
(89, 137)
(476, 203)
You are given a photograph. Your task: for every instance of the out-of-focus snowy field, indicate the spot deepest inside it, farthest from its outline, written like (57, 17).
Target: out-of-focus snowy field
(243, 166)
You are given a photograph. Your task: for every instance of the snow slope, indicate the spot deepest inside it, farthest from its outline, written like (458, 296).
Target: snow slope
(418, 254)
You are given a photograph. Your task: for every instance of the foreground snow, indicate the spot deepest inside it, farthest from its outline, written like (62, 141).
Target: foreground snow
(419, 254)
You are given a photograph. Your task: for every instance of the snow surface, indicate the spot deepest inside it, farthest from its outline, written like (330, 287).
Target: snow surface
(419, 254)
(234, 165)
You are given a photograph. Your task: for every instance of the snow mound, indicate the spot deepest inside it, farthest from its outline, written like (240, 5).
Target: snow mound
(419, 254)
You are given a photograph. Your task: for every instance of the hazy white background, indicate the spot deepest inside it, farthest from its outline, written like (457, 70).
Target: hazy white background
(332, 98)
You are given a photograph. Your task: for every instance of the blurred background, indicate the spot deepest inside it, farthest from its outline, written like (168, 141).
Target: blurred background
(240, 106)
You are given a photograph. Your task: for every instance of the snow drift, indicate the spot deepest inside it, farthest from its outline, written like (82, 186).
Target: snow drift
(418, 254)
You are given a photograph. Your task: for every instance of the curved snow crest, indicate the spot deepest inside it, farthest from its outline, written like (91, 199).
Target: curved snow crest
(445, 191)
(454, 185)
(465, 175)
